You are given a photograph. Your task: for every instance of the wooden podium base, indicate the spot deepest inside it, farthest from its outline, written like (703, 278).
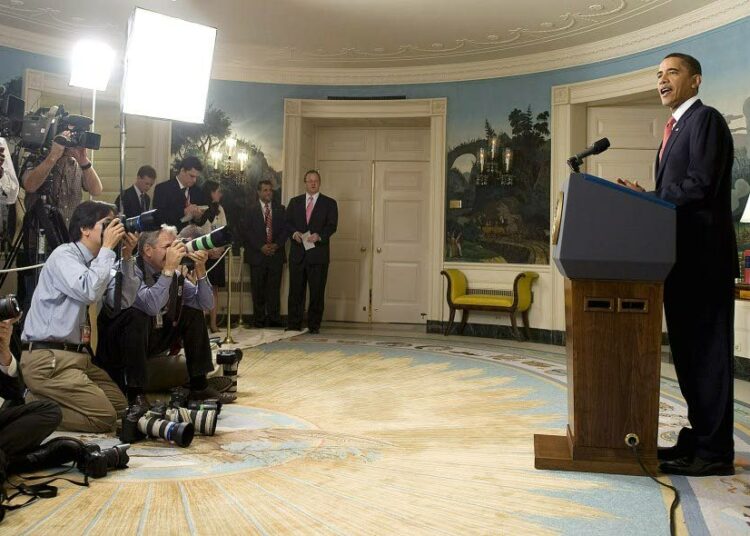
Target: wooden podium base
(552, 452)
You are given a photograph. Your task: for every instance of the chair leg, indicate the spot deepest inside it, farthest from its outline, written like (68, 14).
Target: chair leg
(450, 321)
(464, 318)
(525, 317)
(516, 333)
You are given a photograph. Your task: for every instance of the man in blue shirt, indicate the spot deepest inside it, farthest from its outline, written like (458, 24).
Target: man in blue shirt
(56, 363)
(166, 308)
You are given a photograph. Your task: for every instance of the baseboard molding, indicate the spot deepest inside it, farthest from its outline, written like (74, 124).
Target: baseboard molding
(557, 338)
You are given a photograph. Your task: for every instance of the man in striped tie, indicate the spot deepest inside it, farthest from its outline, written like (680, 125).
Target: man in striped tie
(266, 256)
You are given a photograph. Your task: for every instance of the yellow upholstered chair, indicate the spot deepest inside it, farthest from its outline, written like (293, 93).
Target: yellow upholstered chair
(459, 298)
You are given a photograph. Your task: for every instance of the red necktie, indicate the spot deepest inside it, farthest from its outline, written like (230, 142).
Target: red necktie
(267, 218)
(667, 133)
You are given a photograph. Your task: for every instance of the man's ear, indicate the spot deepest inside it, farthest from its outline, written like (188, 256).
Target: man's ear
(697, 79)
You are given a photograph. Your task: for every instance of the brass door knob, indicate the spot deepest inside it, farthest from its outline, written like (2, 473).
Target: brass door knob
(379, 250)
(362, 249)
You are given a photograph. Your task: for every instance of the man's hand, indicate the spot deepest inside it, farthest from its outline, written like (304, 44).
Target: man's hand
(113, 233)
(297, 236)
(175, 253)
(80, 154)
(200, 258)
(632, 185)
(6, 331)
(269, 249)
(194, 211)
(314, 237)
(128, 245)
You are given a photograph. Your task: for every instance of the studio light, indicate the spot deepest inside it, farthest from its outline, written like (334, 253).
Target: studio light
(91, 64)
(167, 67)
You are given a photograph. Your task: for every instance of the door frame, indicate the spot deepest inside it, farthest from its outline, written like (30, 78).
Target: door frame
(568, 132)
(296, 110)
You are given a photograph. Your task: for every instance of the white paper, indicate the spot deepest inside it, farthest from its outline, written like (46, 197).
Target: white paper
(308, 245)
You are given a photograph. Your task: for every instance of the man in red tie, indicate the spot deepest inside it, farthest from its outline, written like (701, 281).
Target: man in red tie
(312, 218)
(694, 171)
(266, 256)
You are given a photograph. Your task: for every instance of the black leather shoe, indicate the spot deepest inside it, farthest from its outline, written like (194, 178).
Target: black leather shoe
(293, 328)
(668, 454)
(695, 466)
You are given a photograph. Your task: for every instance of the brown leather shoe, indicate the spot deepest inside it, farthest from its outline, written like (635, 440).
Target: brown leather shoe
(695, 466)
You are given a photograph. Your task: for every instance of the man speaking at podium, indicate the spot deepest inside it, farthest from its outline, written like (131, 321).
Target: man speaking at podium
(694, 171)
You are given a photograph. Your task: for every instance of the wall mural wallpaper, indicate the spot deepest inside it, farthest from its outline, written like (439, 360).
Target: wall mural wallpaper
(498, 193)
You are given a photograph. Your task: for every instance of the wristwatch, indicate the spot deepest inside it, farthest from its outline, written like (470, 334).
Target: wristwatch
(167, 273)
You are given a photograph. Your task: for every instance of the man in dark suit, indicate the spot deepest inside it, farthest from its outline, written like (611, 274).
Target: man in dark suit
(312, 219)
(178, 200)
(694, 171)
(136, 199)
(266, 256)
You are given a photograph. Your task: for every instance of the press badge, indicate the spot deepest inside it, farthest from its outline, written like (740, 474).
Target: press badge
(158, 321)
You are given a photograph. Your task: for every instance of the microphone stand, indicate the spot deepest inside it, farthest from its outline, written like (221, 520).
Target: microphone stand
(574, 163)
(118, 274)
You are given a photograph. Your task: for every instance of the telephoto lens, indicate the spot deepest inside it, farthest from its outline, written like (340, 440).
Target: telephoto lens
(204, 420)
(209, 403)
(154, 424)
(230, 362)
(215, 239)
(9, 307)
(148, 221)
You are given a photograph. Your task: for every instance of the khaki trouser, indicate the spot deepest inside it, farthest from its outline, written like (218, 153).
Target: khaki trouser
(90, 401)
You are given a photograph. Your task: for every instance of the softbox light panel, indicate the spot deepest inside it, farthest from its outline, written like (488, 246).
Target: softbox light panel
(167, 67)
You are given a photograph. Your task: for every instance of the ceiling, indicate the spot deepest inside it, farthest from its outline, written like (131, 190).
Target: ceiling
(290, 37)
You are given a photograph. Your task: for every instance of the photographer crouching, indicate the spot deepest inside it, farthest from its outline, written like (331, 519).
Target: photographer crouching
(167, 310)
(57, 360)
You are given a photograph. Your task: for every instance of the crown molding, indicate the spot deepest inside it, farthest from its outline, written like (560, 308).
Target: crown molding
(712, 16)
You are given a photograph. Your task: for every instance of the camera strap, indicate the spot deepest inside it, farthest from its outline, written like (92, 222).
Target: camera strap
(42, 490)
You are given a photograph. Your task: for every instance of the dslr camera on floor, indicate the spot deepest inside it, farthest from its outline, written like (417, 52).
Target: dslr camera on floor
(140, 422)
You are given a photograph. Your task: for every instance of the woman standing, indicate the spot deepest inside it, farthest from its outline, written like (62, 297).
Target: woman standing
(214, 218)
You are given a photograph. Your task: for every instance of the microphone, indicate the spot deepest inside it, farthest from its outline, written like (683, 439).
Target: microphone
(599, 146)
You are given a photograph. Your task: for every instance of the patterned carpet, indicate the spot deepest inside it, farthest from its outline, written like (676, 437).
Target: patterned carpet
(387, 434)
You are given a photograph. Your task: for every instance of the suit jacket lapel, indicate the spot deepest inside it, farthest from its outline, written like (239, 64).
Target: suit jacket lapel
(676, 131)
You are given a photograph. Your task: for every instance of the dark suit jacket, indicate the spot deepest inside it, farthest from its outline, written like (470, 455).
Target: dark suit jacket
(695, 174)
(257, 234)
(131, 206)
(323, 220)
(170, 201)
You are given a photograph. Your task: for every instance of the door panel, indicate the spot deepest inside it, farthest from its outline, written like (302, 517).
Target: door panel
(347, 290)
(402, 144)
(401, 256)
(345, 144)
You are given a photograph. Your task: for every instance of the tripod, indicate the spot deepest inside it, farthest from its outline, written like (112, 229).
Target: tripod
(43, 230)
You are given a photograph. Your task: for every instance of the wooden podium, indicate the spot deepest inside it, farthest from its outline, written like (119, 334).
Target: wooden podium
(615, 247)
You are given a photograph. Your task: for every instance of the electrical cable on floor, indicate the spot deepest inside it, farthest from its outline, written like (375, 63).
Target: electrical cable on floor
(675, 501)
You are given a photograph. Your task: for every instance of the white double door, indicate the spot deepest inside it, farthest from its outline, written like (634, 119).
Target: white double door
(379, 255)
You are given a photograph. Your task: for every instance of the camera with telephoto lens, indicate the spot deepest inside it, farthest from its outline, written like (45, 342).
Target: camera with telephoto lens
(230, 362)
(9, 307)
(96, 462)
(204, 420)
(140, 422)
(218, 238)
(150, 220)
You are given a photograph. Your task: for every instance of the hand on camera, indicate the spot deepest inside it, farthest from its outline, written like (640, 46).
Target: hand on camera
(129, 242)
(175, 253)
(113, 233)
(57, 149)
(80, 154)
(200, 258)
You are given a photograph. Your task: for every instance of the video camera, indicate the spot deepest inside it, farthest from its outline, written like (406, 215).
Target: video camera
(11, 115)
(41, 128)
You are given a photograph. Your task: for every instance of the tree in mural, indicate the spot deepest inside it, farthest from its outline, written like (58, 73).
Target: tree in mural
(239, 187)
(508, 220)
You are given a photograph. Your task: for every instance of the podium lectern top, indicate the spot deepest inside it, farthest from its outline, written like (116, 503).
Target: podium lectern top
(607, 231)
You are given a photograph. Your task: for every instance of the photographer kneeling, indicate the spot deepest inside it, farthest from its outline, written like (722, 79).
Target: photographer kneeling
(168, 308)
(57, 361)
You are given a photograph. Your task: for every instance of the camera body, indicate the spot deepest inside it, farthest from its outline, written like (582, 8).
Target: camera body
(9, 307)
(96, 462)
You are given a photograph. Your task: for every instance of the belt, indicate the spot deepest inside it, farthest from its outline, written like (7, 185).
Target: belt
(58, 345)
